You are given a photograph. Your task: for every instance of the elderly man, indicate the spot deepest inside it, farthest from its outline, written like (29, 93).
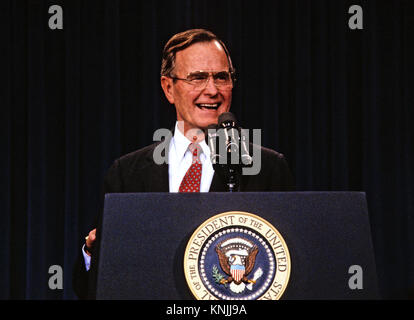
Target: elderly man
(197, 78)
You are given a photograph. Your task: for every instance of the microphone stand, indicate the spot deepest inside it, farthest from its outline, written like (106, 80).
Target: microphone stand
(230, 175)
(232, 182)
(232, 172)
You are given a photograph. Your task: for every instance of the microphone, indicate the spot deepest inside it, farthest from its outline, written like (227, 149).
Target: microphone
(228, 122)
(246, 158)
(235, 138)
(211, 140)
(229, 138)
(232, 147)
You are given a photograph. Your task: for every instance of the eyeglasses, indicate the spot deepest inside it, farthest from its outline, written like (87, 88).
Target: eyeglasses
(198, 79)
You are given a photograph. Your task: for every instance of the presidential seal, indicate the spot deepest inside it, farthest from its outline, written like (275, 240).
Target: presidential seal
(237, 256)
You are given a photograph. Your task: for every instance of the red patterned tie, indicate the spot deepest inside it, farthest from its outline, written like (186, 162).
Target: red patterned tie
(192, 178)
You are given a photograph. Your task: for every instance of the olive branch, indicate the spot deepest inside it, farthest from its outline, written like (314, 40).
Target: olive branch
(218, 276)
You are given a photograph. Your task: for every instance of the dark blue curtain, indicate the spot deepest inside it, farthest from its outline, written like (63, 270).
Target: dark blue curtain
(337, 102)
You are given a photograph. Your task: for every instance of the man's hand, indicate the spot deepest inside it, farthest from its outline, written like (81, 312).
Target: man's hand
(90, 242)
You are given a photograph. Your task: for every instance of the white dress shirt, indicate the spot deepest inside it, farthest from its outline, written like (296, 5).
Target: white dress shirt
(179, 161)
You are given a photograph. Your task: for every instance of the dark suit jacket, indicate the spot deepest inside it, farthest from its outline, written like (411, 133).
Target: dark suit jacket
(137, 172)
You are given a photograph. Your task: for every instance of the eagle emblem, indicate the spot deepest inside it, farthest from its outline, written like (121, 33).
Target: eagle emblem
(237, 258)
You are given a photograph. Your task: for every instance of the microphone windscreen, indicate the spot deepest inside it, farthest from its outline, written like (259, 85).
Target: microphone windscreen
(225, 117)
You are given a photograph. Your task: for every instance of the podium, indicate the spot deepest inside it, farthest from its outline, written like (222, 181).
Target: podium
(144, 237)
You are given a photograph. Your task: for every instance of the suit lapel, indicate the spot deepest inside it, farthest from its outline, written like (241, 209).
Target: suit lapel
(158, 178)
(157, 175)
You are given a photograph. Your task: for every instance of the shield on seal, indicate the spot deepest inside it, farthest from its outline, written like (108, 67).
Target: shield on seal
(237, 272)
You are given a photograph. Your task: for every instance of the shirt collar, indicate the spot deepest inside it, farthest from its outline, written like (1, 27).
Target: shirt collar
(181, 144)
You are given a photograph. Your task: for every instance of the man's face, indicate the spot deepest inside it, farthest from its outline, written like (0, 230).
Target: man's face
(198, 108)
